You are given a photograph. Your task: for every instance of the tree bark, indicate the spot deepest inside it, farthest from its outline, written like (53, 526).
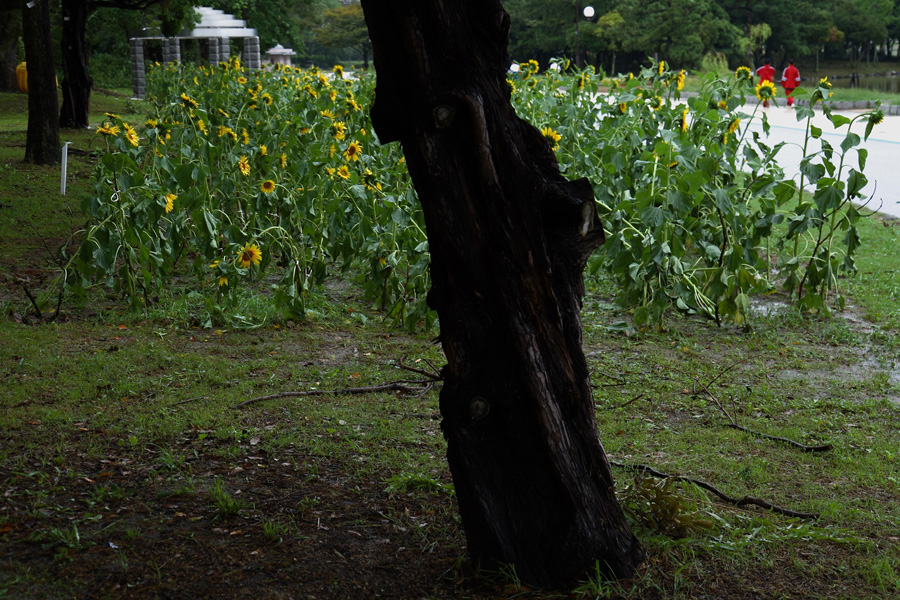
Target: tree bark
(509, 239)
(42, 139)
(10, 28)
(77, 82)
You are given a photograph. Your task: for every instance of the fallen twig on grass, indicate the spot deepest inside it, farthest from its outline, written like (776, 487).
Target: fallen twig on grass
(434, 374)
(805, 448)
(404, 387)
(722, 495)
(623, 405)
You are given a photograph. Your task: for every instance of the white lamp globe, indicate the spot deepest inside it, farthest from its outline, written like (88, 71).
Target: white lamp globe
(589, 12)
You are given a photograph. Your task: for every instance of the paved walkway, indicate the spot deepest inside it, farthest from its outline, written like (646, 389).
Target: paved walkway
(883, 163)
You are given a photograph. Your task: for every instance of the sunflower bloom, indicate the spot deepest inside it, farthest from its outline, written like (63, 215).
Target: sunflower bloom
(353, 151)
(263, 151)
(552, 137)
(765, 90)
(107, 129)
(130, 134)
(679, 81)
(202, 126)
(661, 68)
(742, 73)
(245, 137)
(283, 160)
(244, 166)
(733, 126)
(267, 186)
(327, 114)
(339, 129)
(188, 102)
(223, 282)
(170, 202)
(250, 254)
(338, 71)
(343, 172)
(684, 118)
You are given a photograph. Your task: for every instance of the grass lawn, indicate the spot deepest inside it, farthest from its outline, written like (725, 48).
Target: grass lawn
(129, 471)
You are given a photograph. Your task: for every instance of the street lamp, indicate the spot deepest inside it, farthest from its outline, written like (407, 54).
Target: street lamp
(588, 13)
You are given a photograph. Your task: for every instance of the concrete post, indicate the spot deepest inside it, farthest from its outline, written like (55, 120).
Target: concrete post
(138, 72)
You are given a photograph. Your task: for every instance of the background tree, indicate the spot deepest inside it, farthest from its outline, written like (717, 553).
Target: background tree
(679, 31)
(345, 27)
(10, 26)
(863, 23)
(77, 81)
(509, 238)
(538, 29)
(42, 139)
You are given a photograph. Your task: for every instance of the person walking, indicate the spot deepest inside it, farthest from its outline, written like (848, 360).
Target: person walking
(766, 73)
(790, 79)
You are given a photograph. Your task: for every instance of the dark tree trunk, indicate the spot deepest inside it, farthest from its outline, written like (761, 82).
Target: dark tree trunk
(10, 27)
(42, 139)
(509, 238)
(76, 85)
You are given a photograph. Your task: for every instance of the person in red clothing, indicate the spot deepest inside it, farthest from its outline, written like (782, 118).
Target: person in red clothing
(766, 73)
(790, 79)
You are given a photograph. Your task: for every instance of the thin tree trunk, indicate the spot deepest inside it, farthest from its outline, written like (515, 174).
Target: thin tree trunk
(509, 238)
(77, 83)
(42, 139)
(10, 28)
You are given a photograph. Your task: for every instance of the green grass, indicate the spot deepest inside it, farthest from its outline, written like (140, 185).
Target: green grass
(119, 427)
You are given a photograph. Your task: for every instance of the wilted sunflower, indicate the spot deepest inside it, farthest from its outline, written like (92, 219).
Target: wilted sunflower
(353, 151)
(250, 254)
(267, 186)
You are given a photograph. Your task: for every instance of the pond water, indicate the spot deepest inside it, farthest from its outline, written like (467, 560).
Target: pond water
(886, 83)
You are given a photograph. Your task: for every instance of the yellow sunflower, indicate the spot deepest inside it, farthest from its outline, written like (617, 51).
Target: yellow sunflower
(263, 150)
(684, 118)
(551, 136)
(283, 160)
(267, 186)
(170, 202)
(338, 71)
(353, 151)
(733, 126)
(244, 165)
(679, 80)
(343, 172)
(742, 73)
(188, 102)
(130, 134)
(107, 129)
(765, 90)
(339, 129)
(661, 68)
(250, 254)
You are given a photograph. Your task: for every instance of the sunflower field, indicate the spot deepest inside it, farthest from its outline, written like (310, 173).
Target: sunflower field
(275, 176)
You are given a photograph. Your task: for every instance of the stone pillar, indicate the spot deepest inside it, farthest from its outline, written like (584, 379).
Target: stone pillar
(224, 49)
(213, 45)
(138, 79)
(171, 50)
(251, 53)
